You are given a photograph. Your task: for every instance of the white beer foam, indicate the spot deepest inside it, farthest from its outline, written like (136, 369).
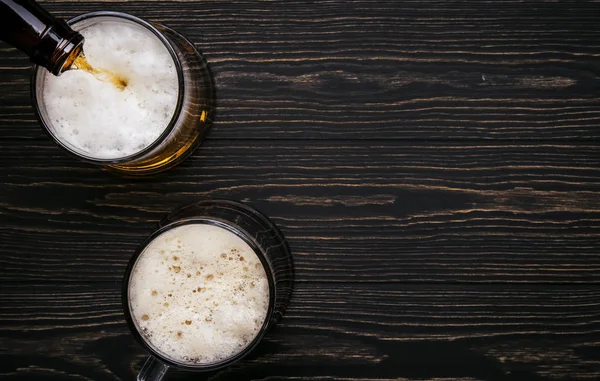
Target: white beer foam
(199, 294)
(95, 117)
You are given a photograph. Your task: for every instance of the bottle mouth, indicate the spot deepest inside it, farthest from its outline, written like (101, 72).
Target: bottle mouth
(70, 49)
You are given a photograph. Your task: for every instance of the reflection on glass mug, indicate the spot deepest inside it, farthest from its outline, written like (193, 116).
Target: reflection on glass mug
(141, 101)
(203, 290)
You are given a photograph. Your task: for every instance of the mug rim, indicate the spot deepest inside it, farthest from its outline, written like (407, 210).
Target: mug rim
(176, 113)
(202, 220)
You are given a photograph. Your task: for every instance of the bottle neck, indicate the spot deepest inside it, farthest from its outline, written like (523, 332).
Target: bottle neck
(48, 41)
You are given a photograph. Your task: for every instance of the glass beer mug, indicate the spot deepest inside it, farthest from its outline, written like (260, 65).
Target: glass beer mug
(202, 291)
(112, 89)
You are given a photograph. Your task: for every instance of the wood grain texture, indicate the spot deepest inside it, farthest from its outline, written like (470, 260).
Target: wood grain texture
(435, 213)
(374, 69)
(434, 165)
(349, 332)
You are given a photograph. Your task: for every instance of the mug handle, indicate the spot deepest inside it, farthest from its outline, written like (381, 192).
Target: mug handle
(153, 370)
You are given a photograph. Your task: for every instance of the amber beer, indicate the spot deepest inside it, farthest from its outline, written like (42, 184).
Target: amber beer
(138, 102)
(101, 74)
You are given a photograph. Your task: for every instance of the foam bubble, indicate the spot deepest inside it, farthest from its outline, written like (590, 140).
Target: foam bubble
(199, 294)
(95, 117)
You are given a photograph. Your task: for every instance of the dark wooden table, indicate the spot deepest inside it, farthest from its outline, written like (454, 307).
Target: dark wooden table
(434, 165)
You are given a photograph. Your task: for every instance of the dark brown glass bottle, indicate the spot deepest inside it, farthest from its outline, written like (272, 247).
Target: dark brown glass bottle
(48, 41)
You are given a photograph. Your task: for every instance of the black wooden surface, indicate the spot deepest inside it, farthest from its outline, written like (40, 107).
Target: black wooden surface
(434, 165)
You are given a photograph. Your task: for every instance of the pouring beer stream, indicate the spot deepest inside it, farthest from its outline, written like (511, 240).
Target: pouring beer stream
(101, 74)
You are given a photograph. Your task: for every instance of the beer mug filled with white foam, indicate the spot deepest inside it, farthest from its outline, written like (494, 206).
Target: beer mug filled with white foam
(202, 291)
(140, 103)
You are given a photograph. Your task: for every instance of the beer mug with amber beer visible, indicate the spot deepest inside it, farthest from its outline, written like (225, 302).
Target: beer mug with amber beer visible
(112, 89)
(145, 108)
